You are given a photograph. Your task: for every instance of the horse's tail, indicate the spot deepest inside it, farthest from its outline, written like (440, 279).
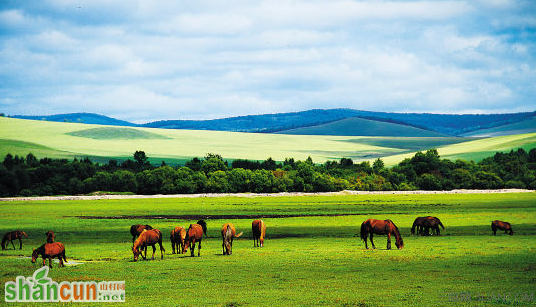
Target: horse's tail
(240, 234)
(203, 225)
(263, 230)
(441, 224)
(364, 231)
(63, 254)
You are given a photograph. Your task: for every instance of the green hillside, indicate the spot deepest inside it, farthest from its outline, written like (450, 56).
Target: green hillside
(100, 143)
(363, 127)
(526, 126)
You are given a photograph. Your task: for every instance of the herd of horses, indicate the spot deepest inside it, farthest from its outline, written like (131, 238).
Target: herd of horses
(183, 239)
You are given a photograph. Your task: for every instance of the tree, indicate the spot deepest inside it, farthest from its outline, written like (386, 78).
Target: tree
(140, 158)
(378, 165)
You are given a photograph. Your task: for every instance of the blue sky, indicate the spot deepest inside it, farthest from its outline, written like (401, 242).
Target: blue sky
(146, 60)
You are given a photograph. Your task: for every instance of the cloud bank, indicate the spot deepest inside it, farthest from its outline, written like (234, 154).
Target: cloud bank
(142, 61)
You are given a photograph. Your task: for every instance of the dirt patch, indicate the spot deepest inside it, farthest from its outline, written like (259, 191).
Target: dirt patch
(247, 195)
(214, 216)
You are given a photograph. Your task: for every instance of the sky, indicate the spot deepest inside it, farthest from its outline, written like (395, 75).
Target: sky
(144, 60)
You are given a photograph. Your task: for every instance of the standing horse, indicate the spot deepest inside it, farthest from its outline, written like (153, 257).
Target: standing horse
(501, 226)
(431, 222)
(136, 230)
(50, 236)
(13, 235)
(194, 234)
(228, 233)
(259, 232)
(49, 251)
(148, 238)
(178, 235)
(386, 227)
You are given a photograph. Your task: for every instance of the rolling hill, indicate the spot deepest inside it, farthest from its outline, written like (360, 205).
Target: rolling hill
(101, 143)
(363, 127)
(526, 126)
(83, 118)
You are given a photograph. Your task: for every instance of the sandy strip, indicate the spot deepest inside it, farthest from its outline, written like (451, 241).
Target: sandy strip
(346, 192)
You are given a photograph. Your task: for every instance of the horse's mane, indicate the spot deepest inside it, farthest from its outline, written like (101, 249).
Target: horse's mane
(138, 240)
(203, 225)
(397, 232)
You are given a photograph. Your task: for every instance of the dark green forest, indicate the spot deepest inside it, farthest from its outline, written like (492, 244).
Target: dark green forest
(27, 176)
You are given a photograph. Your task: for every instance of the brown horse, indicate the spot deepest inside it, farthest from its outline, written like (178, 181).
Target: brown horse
(178, 235)
(259, 232)
(13, 235)
(228, 233)
(433, 223)
(136, 230)
(417, 224)
(501, 226)
(50, 236)
(148, 238)
(50, 250)
(386, 227)
(193, 234)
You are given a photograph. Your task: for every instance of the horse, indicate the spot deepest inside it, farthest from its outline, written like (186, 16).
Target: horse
(259, 232)
(50, 236)
(136, 230)
(13, 235)
(431, 222)
(372, 226)
(228, 233)
(148, 238)
(501, 226)
(417, 224)
(178, 235)
(50, 250)
(194, 234)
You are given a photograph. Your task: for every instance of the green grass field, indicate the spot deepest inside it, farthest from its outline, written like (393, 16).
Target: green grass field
(100, 143)
(308, 260)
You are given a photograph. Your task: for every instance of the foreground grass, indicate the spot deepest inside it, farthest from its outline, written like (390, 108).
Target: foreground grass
(308, 260)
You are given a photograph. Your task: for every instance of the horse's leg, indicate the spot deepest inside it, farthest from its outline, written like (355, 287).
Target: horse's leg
(44, 261)
(172, 247)
(372, 242)
(231, 248)
(61, 261)
(389, 240)
(199, 249)
(50, 261)
(162, 250)
(20, 243)
(13, 245)
(223, 247)
(154, 251)
(145, 249)
(192, 248)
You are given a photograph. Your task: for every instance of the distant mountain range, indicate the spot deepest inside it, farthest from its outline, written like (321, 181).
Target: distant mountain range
(337, 122)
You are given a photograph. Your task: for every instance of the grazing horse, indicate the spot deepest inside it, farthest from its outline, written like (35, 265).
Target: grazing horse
(178, 235)
(228, 233)
(501, 226)
(50, 236)
(50, 250)
(136, 230)
(148, 238)
(417, 224)
(259, 232)
(386, 227)
(13, 235)
(193, 234)
(431, 222)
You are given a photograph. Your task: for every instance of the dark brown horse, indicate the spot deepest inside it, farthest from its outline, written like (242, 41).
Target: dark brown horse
(417, 224)
(433, 223)
(148, 238)
(501, 226)
(381, 227)
(193, 234)
(178, 235)
(50, 236)
(49, 251)
(228, 233)
(13, 235)
(259, 232)
(136, 230)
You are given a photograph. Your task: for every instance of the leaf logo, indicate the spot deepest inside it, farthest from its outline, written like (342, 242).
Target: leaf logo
(40, 276)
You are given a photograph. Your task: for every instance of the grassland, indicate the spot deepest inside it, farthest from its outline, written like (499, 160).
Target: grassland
(69, 140)
(308, 260)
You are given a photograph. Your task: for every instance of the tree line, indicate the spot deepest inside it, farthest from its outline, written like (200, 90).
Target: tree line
(27, 176)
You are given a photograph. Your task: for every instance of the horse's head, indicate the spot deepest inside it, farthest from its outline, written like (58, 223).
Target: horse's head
(399, 243)
(22, 233)
(136, 252)
(34, 255)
